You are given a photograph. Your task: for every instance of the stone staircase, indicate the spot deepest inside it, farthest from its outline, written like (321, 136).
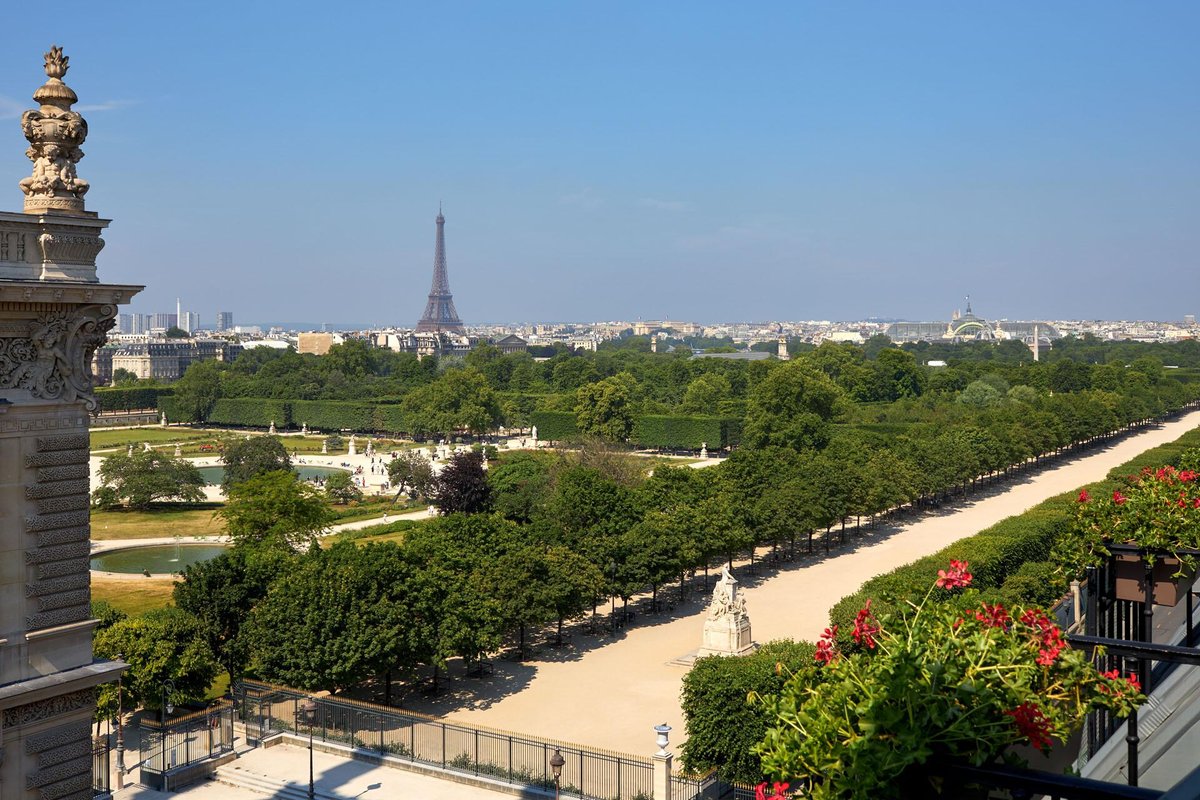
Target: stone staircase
(272, 787)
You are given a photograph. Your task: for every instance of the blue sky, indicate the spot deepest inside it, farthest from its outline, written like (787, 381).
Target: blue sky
(709, 161)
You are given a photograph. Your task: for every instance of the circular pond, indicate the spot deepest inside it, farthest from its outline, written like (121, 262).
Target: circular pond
(159, 559)
(214, 475)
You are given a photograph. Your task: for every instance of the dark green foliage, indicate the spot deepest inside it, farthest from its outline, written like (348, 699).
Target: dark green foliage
(254, 412)
(681, 432)
(340, 488)
(722, 724)
(131, 398)
(555, 426)
(329, 415)
(144, 477)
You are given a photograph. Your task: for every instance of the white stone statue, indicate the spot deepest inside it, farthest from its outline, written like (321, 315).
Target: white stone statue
(129, 452)
(353, 446)
(727, 627)
(324, 447)
(145, 447)
(370, 448)
(163, 421)
(304, 430)
(178, 451)
(271, 430)
(533, 435)
(704, 449)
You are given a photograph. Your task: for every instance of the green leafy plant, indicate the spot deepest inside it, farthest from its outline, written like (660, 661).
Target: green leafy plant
(1157, 510)
(959, 679)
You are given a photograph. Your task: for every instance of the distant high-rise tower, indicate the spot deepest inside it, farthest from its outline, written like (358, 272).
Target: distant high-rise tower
(440, 314)
(224, 320)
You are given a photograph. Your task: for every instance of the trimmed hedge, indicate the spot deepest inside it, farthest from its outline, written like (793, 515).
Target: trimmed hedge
(1011, 556)
(389, 419)
(131, 398)
(555, 426)
(256, 412)
(333, 415)
(681, 432)
(169, 405)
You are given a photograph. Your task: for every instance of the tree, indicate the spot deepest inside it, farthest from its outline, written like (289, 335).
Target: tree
(605, 409)
(198, 390)
(340, 488)
(572, 583)
(980, 394)
(166, 643)
(792, 407)
(520, 485)
(411, 473)
(462, 485)
(221, 593)
(258, 455)
(140, 479)
(175, 332)
(337, 618)
(276, 508)
(122, 376)
(704, 394)
(518, 580)
(460, 399)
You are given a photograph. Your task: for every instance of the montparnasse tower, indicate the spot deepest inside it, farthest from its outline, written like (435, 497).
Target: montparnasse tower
(440, 315)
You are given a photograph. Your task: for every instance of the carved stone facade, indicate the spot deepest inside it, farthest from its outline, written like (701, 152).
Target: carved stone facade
(53, 316)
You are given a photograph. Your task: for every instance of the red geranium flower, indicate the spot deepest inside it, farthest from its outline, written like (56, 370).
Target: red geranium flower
(1084, 496)
(954, 578)
(1033, 724)
(993, 616)
(827, 645)
(865, 627)
(1119, 498)
(778, 791)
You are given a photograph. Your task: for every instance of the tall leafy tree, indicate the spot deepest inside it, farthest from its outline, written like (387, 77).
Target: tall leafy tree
(792, 408)
(247, 458)
(198, 389)
(412, 473)
(275, 508)
(462, 485)
(605, 408)
(143, 477)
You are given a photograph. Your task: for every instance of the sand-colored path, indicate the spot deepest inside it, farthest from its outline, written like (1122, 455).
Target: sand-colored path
(609, 694)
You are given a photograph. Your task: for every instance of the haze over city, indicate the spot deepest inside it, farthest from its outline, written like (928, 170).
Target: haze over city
(696, 161)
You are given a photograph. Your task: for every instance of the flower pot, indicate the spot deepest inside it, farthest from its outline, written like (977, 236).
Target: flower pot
(1130, 572)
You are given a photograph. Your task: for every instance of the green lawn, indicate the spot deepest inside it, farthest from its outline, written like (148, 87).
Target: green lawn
(167, 520)
(104, 440)
(133, 595)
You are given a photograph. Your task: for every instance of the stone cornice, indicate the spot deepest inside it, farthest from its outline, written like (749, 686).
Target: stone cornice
(65, 292)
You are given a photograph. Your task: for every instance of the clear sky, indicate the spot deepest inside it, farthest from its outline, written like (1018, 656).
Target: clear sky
(616, 160)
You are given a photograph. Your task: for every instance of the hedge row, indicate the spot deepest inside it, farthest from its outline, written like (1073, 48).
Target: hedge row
(651, 430)
(131, 398)
(325, 415)
(1010, 557)
(686, 432)
(251, 411)
(332, 415)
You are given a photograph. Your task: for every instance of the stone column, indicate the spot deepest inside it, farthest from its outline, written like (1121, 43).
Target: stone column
(53, 316)
(662, 765)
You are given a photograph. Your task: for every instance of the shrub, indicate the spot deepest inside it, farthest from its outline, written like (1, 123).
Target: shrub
(256, 412)
(331, 415)
(131, 398)
(555, 426)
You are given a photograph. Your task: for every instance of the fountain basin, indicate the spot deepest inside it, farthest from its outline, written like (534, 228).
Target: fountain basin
(158, 559)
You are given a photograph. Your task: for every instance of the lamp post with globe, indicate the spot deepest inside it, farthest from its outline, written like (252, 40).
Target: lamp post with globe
(556, 765)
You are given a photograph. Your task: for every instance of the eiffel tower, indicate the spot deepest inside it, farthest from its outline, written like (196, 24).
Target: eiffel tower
(440, 315)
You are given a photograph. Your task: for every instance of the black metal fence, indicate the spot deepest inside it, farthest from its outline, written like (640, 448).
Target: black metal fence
(516, 759)
(100, 771)
(184, 741)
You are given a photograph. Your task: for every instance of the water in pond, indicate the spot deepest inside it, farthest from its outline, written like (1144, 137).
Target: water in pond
(160, 559)
(214, 475)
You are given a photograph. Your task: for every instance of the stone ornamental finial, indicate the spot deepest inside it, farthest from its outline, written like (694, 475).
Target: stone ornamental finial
(55, 133)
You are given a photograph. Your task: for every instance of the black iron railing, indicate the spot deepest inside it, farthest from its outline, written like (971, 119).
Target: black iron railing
(181, 742)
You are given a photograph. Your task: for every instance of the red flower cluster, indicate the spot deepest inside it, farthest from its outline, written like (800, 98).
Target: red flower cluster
(1033, 724)
(1084, 496)
(865, 627)
(954, 578)
(1048, 637)
(1119, 498)
(827, 645)
(779, 791)
(1186, 475)
(1131, 679)
(993, 616)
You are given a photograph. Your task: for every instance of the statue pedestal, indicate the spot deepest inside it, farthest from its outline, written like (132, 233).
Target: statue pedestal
(727, 636)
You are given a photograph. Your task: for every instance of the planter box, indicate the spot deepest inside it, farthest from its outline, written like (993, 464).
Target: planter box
(1130, 572)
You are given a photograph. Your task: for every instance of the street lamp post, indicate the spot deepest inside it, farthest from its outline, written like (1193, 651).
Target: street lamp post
(120, 728)
(168, 687)
(309, 709)
(556, 765)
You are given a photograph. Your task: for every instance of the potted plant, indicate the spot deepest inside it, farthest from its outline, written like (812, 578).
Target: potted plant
(1157, 512)
(959, 680)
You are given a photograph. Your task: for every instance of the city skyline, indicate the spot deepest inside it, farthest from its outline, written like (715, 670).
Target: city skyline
(686, 161)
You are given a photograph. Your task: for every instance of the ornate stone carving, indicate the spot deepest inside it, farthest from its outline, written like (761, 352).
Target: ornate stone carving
(55, 489)
(56, 738)
(51, 706)
(56, 458)
(60, 553)
(63, 536)
(57, 569)
(55, 134)
(69, 583)
(727, 629)
(66, 248)
(59, 505)
(54, 361)
(59, 772)
(47, 522)
(74, 441)
(73, 472)
(62, 616)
